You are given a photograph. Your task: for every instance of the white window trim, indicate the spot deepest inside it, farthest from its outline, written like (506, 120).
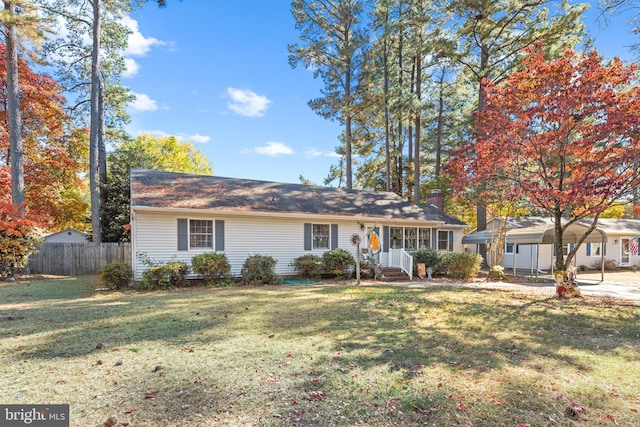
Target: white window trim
(313, 236)
(199, 248)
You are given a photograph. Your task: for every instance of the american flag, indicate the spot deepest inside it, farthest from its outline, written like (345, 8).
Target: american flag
(633, 246)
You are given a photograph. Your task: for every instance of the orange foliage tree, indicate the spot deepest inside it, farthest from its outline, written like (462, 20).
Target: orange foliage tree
(561, 134)
(54, 153)
(18, 237)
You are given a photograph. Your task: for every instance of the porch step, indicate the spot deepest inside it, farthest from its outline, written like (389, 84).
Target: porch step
(390, 274)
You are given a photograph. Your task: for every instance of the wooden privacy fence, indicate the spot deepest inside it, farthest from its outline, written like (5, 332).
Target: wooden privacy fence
(74, 259)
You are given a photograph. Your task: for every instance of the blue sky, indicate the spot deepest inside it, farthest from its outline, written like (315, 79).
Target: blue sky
(216, 73)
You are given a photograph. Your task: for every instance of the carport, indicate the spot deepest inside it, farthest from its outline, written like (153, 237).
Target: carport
(536, 235)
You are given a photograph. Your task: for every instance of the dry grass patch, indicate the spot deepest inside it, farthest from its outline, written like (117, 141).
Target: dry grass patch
(319, 356)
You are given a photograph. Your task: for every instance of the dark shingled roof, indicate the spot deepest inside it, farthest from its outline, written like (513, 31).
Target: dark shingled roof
(183, 191)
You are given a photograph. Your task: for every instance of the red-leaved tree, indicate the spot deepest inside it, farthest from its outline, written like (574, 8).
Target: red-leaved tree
(561, 134)
(54, 153)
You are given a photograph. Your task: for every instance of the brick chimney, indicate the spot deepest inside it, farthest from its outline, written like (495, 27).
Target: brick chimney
(436, 198)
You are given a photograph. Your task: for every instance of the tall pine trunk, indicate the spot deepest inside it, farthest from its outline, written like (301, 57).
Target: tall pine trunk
(94, 132)
(481, 209)
(440, 125)
(416, 144)
(15, 114)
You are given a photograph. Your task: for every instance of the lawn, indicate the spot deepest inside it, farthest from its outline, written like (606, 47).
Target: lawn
(319, 356)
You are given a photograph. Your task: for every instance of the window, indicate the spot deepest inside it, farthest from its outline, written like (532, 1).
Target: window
(321, 235)
(508, 248)
(594, 249)
(410, 239)
(395, 237)
(200, 233)
(443, 240)
(424, 238)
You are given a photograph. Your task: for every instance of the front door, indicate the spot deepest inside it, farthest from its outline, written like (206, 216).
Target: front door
(624, 259)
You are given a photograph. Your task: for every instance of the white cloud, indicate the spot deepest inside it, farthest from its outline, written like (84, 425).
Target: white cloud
(132, 67)
(137, 44)
(312, 152)
(274, 149)
(247, 103)
(143, 103)
(196, 138)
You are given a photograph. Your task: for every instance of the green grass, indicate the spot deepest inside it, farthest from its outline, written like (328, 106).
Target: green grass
(319, 356)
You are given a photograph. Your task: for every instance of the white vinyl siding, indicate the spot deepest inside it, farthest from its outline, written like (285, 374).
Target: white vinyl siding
(155, 235)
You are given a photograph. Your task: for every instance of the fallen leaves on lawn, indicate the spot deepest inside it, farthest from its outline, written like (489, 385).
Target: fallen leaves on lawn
(574, 409)
(496, 401)
(316, 395)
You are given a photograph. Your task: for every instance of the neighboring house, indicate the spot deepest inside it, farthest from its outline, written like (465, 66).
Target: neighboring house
(67, 236)
(529, 242)
(177, 216)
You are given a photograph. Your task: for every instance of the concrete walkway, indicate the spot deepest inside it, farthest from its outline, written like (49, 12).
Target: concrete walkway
(626, 291)
(587, 287)
(619, 284)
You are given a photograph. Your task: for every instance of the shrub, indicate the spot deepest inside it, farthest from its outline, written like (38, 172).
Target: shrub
(609, 264)
(366, 270)
(213, 267)
(496, 272)
(338, 261)
(18, 238)
(462, 265)
(260, 270)
(165, 276)
(430, 258)
(308, 266)
(117, 275)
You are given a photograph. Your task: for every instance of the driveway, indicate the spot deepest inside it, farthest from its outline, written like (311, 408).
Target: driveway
(622, 285)
(589, 288)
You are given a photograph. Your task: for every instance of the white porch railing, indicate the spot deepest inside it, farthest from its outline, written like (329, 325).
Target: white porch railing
(399, 258)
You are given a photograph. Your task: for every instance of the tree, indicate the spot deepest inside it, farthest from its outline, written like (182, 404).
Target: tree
(18, 238)
(54, 151)
(493, 33)
(144, 152)
(19, 21)
(333, 44)
(98, 79)
(562, 134)
(614, 7)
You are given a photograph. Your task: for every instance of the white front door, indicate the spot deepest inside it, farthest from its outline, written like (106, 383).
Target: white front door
(624, 258)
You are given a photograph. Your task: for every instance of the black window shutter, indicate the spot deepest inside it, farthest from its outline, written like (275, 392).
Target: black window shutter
(183, 234)
(385, 238)
(307, 236)
(334, 236)
(588, 249)
(451, 240)
(434, 238)
(219, 235)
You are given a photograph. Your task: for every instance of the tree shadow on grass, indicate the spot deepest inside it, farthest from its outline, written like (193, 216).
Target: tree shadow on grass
(276, 345)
